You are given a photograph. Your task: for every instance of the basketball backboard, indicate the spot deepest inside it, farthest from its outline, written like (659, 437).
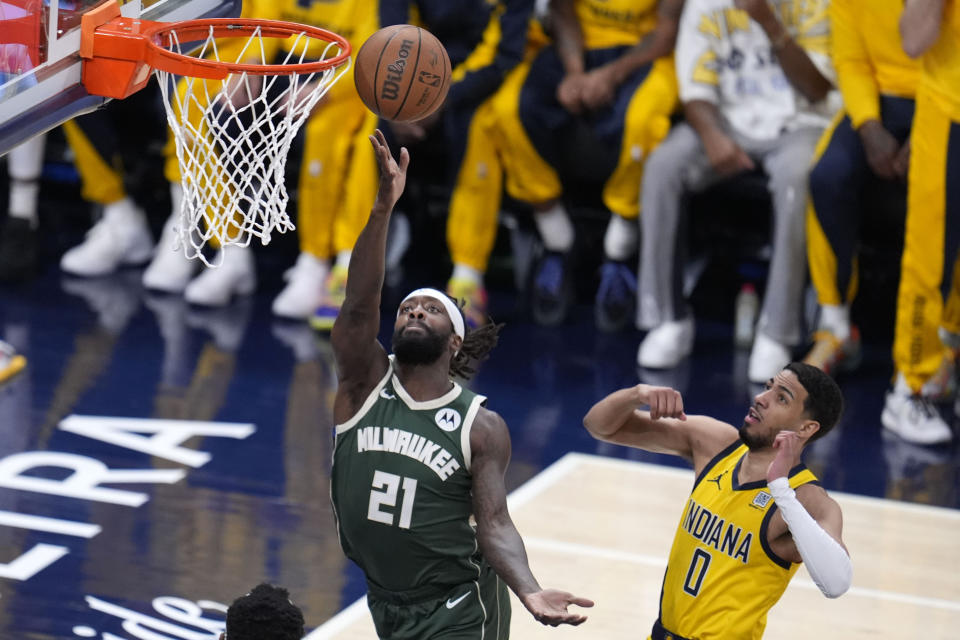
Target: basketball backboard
(40, 65)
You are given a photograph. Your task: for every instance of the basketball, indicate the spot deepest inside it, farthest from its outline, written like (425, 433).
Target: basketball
(402, 73)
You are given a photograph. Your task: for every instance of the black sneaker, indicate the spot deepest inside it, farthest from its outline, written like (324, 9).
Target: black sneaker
(18, 250)
(616, 296)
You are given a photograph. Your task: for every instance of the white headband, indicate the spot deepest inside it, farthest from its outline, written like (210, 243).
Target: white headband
(455, 316)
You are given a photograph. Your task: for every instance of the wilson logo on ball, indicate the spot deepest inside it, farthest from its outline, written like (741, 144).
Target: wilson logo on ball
(391, 84)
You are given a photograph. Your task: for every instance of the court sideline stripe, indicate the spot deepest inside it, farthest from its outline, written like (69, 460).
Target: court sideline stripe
(519, 497)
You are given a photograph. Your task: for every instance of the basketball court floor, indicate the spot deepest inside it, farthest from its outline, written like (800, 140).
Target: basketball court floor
(158, 460)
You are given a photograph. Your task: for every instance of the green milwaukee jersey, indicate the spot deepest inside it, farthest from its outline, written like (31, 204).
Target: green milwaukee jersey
(401, 487)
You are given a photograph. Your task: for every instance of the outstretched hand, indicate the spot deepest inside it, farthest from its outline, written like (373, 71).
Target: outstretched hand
(393, 176)
(788, 446)
(549, 606)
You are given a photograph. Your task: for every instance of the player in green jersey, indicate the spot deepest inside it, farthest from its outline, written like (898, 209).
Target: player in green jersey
(417, 456)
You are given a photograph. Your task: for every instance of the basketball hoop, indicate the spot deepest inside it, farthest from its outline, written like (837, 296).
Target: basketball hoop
(233, 120)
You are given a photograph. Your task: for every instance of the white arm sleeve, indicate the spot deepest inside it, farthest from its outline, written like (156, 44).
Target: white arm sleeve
(826, 560)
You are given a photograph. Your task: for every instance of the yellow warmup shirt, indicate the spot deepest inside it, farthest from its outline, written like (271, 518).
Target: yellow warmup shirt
(868, 56)
(612, 23)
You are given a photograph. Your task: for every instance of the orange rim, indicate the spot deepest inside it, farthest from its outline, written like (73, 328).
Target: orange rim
(158, 34)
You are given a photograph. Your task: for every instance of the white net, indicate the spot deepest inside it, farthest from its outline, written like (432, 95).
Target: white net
(233, 136)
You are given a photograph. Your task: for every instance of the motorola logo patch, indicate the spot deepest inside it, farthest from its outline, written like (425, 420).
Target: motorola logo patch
(448, 419)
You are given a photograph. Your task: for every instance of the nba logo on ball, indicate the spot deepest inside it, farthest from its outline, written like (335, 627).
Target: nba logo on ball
(448, 419)
(402, 73)
(431, 79)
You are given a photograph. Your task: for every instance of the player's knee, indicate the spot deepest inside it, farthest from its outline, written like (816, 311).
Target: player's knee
(791, 177)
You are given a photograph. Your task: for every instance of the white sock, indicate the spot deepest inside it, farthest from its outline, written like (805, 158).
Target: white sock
(23, 200)
(24, 165)
(621, 238)
(463, 272)
(555, 228)
(176, 198)
(25, 161)
(835, 318)
(343, 259)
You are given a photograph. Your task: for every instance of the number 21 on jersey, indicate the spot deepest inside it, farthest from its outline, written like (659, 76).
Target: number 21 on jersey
(383, 493)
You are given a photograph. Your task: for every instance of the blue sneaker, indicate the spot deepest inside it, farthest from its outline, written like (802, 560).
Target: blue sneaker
(552, 292)
(616, 296)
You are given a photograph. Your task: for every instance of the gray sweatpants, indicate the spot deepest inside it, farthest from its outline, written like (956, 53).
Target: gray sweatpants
(680, 165)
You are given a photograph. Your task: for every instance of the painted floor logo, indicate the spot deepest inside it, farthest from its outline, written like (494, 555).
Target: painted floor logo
(86, 475)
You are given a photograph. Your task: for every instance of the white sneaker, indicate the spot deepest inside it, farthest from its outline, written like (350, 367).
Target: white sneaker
(913, 417)
(120, 237)
(304, 290)
(666, 344)
(767, 358)
(170, 270)
(216, 286)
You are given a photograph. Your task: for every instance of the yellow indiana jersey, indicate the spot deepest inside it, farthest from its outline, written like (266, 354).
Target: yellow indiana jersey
(868, 56)
(722, 577)
(941, 63)
(612, 23)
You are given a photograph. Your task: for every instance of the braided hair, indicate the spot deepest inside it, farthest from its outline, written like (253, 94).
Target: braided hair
(476, 347)
(265, 613)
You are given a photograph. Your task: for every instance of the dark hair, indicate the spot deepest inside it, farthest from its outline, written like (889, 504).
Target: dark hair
(824, 401)
(265, 613)
(476, 347)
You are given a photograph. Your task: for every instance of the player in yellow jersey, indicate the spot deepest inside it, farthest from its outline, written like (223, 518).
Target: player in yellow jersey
(930, 28)
(866, 141)
(755, 511)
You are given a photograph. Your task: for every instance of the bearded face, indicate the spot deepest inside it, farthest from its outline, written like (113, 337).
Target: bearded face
(418, 344)
(755, 438)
